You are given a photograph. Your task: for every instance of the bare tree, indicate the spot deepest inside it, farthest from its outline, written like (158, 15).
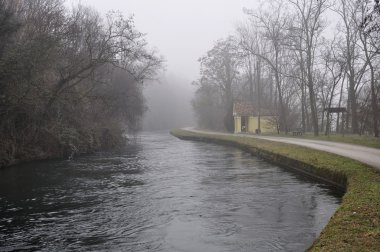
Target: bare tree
(309, 14)
(70, 80)
(335, 67)
(94, 44)
(272, 28)
(355, 68)
(370, 52)
(219, 67)
(252, 41)
(371, 22)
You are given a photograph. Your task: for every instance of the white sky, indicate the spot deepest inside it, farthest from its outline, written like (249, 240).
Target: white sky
(182, 30)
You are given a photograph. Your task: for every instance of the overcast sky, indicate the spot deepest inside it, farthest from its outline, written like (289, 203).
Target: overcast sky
(182, 30)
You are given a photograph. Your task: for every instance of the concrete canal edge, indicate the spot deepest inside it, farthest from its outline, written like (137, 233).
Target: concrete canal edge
(355, 226)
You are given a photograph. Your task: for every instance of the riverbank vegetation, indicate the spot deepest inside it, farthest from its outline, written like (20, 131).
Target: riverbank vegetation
(70, 79)
(291, 59)
(355, 226)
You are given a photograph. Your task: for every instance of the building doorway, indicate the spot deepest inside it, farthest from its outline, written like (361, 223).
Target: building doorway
(244, 124)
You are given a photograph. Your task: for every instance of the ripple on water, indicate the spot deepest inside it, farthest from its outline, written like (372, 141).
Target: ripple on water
(161, 194)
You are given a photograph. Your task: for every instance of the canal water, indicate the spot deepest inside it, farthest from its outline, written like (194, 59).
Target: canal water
(161, 194)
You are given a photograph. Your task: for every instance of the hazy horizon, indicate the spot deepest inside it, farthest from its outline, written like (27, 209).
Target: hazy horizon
(182, 32)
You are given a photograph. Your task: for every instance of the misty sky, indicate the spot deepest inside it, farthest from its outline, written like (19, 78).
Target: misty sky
(182, 30)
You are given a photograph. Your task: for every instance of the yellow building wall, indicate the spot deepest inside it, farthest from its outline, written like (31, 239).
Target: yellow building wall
(253, 124)
(237, 124)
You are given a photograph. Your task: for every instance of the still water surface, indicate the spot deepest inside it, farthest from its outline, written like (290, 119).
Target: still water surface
(161, 194)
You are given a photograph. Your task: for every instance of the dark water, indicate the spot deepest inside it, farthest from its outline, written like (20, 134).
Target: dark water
(163, 194)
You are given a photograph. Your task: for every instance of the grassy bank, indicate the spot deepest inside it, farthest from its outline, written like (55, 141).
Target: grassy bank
(355, 226)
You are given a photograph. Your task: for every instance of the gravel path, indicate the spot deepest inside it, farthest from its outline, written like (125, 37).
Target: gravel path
(367, 155)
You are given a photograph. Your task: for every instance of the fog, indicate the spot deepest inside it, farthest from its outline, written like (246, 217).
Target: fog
(182, 31)
(168, 103)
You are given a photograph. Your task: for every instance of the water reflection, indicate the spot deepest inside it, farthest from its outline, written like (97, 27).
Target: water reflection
(161, 195)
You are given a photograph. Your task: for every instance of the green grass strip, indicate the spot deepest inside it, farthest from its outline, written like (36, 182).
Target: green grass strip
(355, 226)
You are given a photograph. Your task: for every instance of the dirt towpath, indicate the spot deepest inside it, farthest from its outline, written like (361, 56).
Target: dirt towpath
(367, 155)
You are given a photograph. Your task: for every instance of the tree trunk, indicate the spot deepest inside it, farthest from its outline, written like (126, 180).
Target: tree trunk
(375, 109)
(353, 106)
(228, 119)
(283, 123)
(303, 112)
(303, 90)
(313, 107)
(258, 66)
(250, 79)
(374, 105)
(313, 104)
(308, 128)
(327, 124)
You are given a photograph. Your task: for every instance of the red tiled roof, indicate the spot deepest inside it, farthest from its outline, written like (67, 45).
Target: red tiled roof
(243, 109)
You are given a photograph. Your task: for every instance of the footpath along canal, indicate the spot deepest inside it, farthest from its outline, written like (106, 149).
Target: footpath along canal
(367, 155)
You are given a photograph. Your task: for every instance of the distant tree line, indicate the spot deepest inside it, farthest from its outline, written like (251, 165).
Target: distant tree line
(70, 79)
(284, 60)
